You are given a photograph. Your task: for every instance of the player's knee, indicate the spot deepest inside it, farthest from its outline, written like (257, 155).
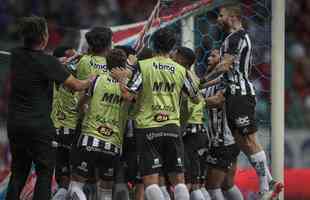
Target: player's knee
(176, 178)
(151, 179)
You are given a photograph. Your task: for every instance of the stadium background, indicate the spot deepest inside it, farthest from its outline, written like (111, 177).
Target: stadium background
(66, 19)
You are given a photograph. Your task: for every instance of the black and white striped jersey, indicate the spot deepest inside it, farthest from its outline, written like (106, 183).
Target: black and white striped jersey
(218, 131)
(239, 45)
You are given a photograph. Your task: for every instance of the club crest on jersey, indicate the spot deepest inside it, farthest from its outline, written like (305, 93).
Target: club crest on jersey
(161, 117)
(105, 130)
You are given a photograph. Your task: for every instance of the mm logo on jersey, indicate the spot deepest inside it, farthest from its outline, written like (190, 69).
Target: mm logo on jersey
(163, 87)
(161, 117)
(105, 130)
(165, 67)
(112, 98)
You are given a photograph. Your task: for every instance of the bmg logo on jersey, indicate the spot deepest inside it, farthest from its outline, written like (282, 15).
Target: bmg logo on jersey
(242, 121)
(166, 67)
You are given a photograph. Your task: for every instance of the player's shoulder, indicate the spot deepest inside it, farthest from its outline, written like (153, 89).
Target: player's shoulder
(237, 35)
(85, 58)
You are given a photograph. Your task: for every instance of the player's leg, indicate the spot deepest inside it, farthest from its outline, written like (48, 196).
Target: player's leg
(203, 167)
(120, 187)
(150, 162)
(139, 191)
(220, 160)
(230, 190)
(193, 142)
(62, 169)
(83, 169)
(163, 185)
(242, 122)
(173, 154)
(20, 166)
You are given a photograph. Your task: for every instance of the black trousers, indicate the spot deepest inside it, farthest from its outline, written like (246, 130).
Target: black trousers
(30, 145)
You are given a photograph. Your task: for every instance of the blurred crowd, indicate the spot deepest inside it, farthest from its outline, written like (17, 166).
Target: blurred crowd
(297, 80)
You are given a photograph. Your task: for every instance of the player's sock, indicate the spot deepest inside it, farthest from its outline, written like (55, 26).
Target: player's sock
(259, 162)
(205, 193)
(181, 192)
(197, 195)
(120, 192)
(153, 192)
(61, 194)
(76, 191)
(104, 194)
(216, 194)
(233, 193)
(165, 192)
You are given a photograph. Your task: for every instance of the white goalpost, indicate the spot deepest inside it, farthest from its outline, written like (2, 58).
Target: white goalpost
(277, 90)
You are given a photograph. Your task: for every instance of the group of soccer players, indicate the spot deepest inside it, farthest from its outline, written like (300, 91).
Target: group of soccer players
(142, 120)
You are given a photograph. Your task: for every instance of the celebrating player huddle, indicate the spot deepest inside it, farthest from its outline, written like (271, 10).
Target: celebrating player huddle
(141, 120)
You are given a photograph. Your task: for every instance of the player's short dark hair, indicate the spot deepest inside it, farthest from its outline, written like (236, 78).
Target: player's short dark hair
(145, 53)
(61, 51)
(164, 40)
(33, 29)
(127, 49)
(187, 54)
(116, 58)
(99, 39)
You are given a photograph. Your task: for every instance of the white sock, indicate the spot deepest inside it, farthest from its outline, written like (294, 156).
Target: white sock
(196, 195)
(259, 162)
(61, 194)
(165, 192)
(205, 193)
(76, 191)
(216, 194)
(153, 192)
(233, 193)
(181, 192)
(104, 194)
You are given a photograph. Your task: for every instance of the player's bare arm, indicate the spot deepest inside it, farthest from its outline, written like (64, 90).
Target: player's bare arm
(215, 101)
(224, 66)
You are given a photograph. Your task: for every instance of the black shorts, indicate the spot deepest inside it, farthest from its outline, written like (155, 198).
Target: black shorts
(160, 149)
(91, 161)
(64, 139)
(240, 111)
(194, 145)
(223, 157)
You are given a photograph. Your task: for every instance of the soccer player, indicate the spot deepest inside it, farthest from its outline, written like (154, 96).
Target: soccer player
(30, 128)
(99, 40)
(65, 117)
(158, 83)
(192, 124)
(235, 63)
(223, 151)
(100, 144)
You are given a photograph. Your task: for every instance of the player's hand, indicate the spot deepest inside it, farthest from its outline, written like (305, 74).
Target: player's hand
(132, 59)
(121, 75)
(63, 60)
(219, 98)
